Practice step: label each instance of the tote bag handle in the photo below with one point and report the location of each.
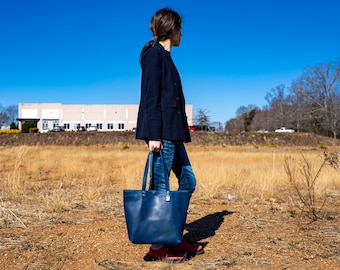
(149, 160)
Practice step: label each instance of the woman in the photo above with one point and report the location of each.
(162, 120)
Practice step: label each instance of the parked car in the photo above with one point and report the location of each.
(92, 128)
(283, 129)
(263, 131)
(81, 128)
(44, 130)
(58, 129)
(201, 128)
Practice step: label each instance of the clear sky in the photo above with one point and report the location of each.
(232, 51)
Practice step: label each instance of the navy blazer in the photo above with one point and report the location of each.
(161, 112)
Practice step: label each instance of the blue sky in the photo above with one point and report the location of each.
(232, 52)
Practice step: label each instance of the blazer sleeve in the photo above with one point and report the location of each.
(152, 91)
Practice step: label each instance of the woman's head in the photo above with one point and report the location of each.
(165, 24)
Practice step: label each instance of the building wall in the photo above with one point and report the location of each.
(105, 117)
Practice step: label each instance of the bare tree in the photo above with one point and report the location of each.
(247, 114)
(12, 112)
(321, 90)
(241, 111)
(3, 116)
(278, 105)
(216, 126)
(244, 118)
(235, 125)
(8, 115)
(202, 119)
(261, 120)
(302, 112)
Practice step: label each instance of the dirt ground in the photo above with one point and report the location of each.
(253, 234)
(236, 235)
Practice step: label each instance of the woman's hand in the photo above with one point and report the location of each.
(155, 146)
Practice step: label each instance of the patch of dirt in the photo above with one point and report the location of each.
(236, 235)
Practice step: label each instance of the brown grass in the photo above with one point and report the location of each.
(43, 186)
(55, 179)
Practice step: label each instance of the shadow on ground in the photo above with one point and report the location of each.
(205, 227)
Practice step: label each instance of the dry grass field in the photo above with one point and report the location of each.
(61, 207)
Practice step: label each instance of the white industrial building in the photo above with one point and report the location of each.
(104, 117)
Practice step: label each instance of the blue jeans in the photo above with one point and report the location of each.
(176, 159)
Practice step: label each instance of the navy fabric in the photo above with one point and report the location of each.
(161, 112)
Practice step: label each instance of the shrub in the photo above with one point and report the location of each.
(27, 125)
(303, 180)
(125, 146)
(10, 131)
(13, 126)
(33, 130)
(322, 146)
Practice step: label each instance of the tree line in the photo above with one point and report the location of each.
(310, 104)
(8, 116)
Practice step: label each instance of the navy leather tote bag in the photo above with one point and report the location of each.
(155, 216)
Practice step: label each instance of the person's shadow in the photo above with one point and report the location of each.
(205, 227)
(200, 229)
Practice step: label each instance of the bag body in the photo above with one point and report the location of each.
(155, 216)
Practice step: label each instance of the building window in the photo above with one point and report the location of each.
(99, 126)
(66, 126)
(76, 126)
(110, 126)
(44, 124)
(87, 125)
(121, 126)
(55, 123)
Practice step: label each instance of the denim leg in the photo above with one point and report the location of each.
(157, 174)
(176, 159)
(183, 170)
